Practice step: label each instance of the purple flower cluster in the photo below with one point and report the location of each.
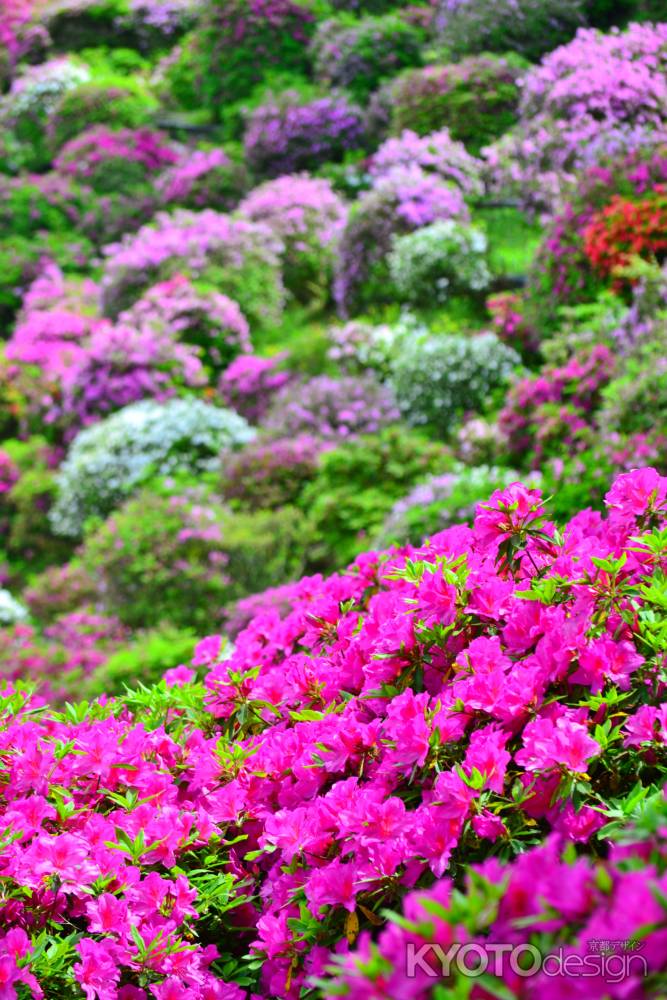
(596, 97)
(436, 154)
(331, 408)
(288, 134)
(192, 242)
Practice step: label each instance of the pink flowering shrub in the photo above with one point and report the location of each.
(241, 258)
(110, 160)
(598, 96)
(194, 314)
(556, 406)
(308, 218)
(471, 732)
(268, 474)
(202, 179)
(249, 384)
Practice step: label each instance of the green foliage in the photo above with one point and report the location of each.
(21, 258)
(26, 540)
(358, 54)
(636, 402)
(181, 558)
(118, 102)
(476, 99)
(356, 486)
(235, 46)
(145, 660)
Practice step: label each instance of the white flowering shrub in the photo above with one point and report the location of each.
(358, 346)
(438, 261)
(11, 611)
(446, 499)
(436, 379)
(38, 88)
(110, 460)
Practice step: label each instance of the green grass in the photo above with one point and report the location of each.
(513, 239)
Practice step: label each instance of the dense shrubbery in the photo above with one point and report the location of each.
(308, 287)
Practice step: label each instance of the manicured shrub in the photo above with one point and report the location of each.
(356, 485)
(530, 27)
(562, 270)
(438, 261)
(23, 258)
(250, 383)
(625, 229)
(32, 98)
(401, 201)
(239, 40)
(437, 379)
(436, 153)
(35, 204)
(555, 407)
(110, 460)
(196, 314)
(270, 474)
(121, 365)
(308, 218)
(203, 179)
(416, 714)
(287, 134)
(115, 105)
(597, 97)
(110, 160)
(240, 258)
(11, 610)
(331, 408)
(636, 400)
(180, 558)
(359, 54)
(477, 99)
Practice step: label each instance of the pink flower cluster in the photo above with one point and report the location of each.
(81, 156)
(369, 733)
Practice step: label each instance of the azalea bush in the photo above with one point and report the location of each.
(438, 726)
(358, 54)
(239, 40)
(182, 556)
(401, 201)
(110, 460)
(289, 133)
(308, 218)
(241, 258)
(331, 408)
(477, 99)
(110, 159)
(118, 104)
(197, 314)
(203, 179)
(437, 379)
(530, 27)
(438, 261)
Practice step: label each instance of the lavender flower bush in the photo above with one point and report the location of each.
(287, 134)
(331, 408)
